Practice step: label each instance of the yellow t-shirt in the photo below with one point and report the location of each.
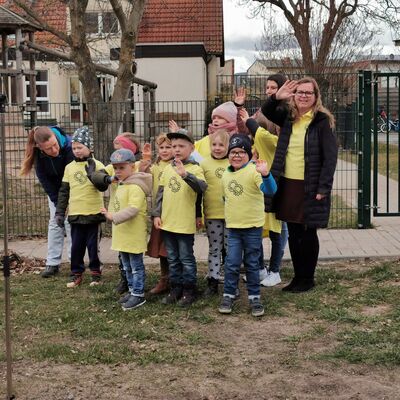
(213, 201)
(265, 144)
(130, 236)
(178, 212)
(244, 201)
(113, 187)
(156, 171)
(84, 198)
(294, 163)
(203, 146)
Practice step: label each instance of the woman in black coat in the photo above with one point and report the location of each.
(304, 166)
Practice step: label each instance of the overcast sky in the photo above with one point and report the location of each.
(243, 34)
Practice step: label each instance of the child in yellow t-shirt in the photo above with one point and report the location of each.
(213, 167)
(156, 247)
(84, 202)
(129, 218)
(175, 214)
(243, 185)
(106, 178)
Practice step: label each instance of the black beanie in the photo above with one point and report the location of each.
(240, 141)
(278, 78)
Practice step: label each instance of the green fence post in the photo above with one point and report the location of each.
(364, 149)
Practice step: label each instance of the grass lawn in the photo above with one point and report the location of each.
(341, 338)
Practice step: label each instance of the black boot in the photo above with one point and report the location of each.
(304, 285)
(122, 286)
(212, 287)
(189, 296)
(51, 270)
(292, 285)
(174, 295)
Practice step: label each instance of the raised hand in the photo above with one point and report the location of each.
(146, 151)
(240, 95)
(244, 115)
(173, 126)
(287, 90)
(262, 167)
(90, 167)
(179, 168)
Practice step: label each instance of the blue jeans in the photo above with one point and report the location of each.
(243, 245)
(135, 273)
(181, 260)
(55, 238)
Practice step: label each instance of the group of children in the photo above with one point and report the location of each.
(228, 188)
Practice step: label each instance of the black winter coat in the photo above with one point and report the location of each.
(320, 156)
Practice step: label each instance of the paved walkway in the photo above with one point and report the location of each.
(382, 241)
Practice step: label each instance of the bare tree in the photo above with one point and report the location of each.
(75, 45)
(316, 23)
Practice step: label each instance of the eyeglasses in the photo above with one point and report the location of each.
(303, 93)
(240, 154)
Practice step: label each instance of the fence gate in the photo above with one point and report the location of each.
(386, 150)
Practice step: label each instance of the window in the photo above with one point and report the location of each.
(98, 23)
(42, 91)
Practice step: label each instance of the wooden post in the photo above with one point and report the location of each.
(19, 79)
(32, 84)
(4, 52)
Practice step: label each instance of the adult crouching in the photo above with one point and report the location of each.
(49, 151)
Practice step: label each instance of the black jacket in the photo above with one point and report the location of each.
(320, 156)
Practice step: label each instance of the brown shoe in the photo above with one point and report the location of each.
(161, 287)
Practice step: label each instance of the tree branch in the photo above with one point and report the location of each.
(35, 16)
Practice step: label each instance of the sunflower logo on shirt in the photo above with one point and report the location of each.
(235, 187)
(219, 171)
(174, 184)
(80, 177)
(117, 204)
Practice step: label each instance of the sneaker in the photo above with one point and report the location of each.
(124, 299)
(133, 302)
(96, 280)
(75, 280)
(257, 309)
(188, 298)
(272, 279)
(226, 305)
(51, 270)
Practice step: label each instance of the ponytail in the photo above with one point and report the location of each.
(39, 134)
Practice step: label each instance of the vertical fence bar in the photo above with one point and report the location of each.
(6, 258)
(364, 182)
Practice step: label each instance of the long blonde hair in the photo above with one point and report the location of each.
(294, 112)
(38, 135)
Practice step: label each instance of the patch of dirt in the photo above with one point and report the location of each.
(244, 359)
(378, 310)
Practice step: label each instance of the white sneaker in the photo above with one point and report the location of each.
(263, 275)
(272, 279)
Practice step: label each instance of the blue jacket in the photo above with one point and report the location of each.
(50, 170)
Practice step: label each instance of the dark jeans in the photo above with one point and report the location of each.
(278, 244)
(85, 236)
(243, 245)
(181, 260)
(304, 250)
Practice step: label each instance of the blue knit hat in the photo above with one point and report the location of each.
(82, 135)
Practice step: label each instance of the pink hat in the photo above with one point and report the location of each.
(227, 111)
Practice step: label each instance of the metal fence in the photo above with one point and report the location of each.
(27, 208)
